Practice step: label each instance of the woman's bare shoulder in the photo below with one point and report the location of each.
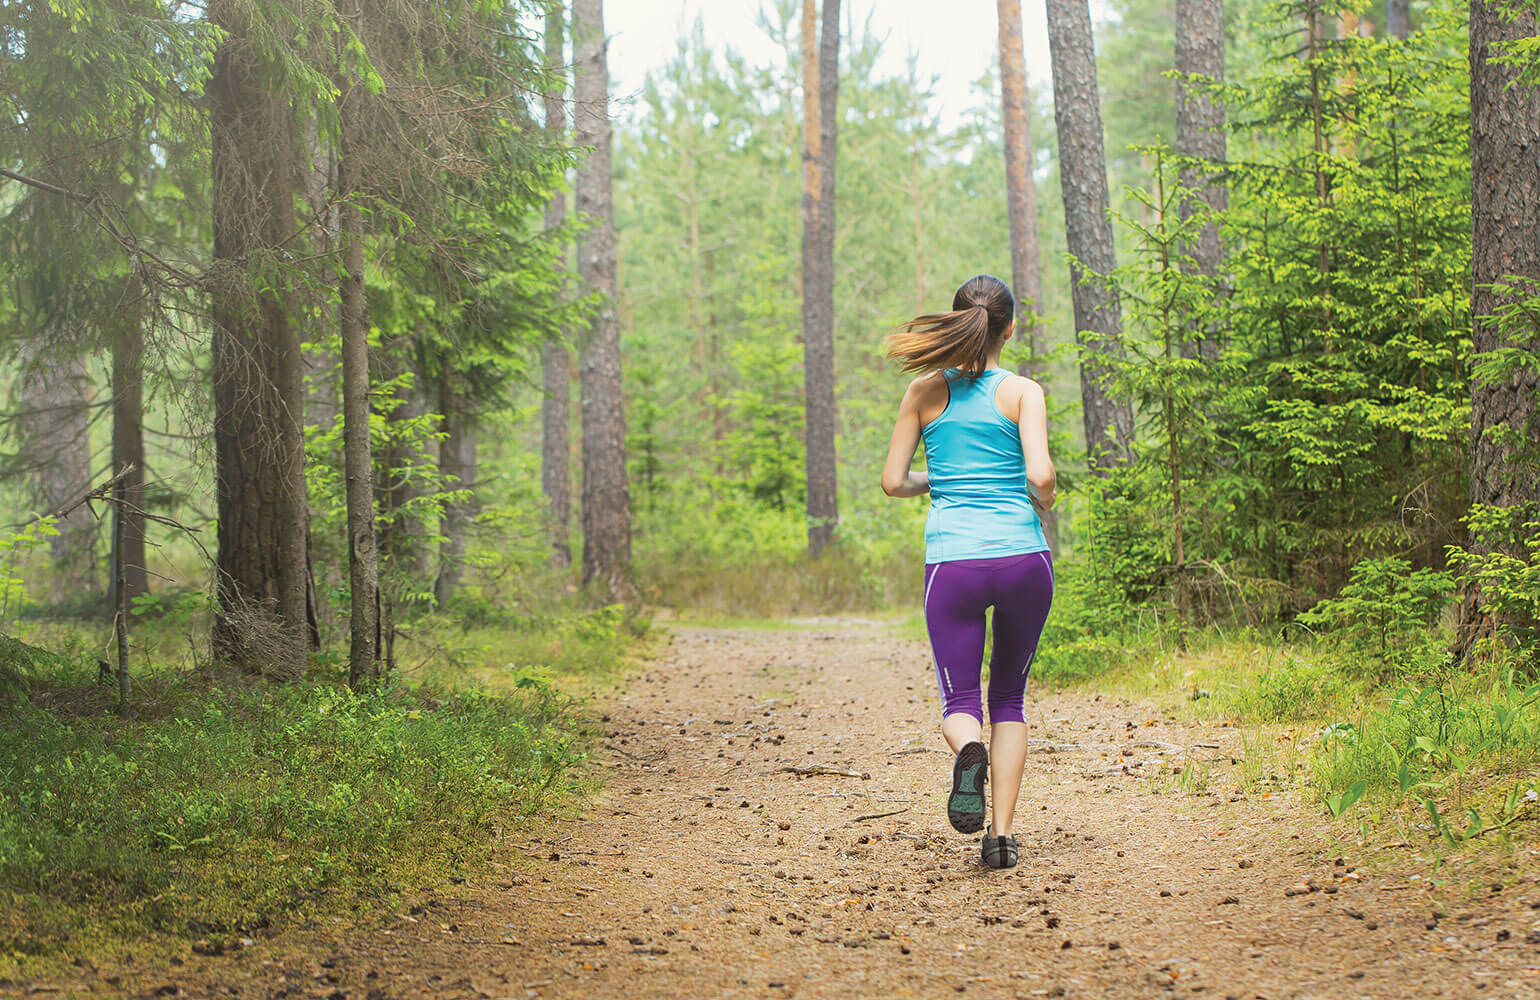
(1015, 390)
(928, 387)
(928, 395)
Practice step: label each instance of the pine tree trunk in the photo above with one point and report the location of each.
(1505, 208)
(1083, 181)
(358, 457)
(1398, 18)
(457, 464)
(556, 364)
(1200, 125)
(820, 137)
(128, 444)
(258, 387)
(53, 410)
(606, 495)
(321, 363)
(1020, 188)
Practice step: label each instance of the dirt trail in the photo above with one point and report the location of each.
(708, 867)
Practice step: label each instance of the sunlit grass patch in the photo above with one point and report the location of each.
(1456, 758)
(579, 652)
(231, 806)
(248, 807)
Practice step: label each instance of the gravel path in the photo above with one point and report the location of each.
(772, 825)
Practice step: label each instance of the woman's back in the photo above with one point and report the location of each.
(980, 505)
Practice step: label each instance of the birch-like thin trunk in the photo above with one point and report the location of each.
(120, 593)
(358, 459)
(128, 444)
(1020, 189)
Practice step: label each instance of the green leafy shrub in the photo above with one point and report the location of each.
(1503, 567)
(1387, 612)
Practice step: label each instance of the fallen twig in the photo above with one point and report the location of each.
(812, 769)
(1162, 744)
(862, 819)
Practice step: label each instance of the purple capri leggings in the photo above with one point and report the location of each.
(1020, 588)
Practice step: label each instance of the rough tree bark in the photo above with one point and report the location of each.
(128, 445)
(1398, 18)
(606, 494)
(556, 365)
(52, 402)
(1020, 189)
(257, 370)
(1505, 210)
(1200, 134)
(357, 456)
(1083, 181)
(820, 136)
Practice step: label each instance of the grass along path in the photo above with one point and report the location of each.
(772, 825)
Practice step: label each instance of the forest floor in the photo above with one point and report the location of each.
(716, 862)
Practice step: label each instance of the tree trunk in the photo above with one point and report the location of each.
(1398, 18)
(357, 456)
(53, 408)
(321, 362)
(1083, 181)
(258, 388)
(606, 496)
(457, 464)
(1505, 209)
(119, 590)
(1020, 188)
(1200, 135)
(556, 365)
(820, 136)
(128, 444)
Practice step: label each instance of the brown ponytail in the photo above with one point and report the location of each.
(964, 338)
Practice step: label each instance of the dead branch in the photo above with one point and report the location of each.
(815, 769)
(862, 819)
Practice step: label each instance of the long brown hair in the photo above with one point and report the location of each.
(964, 338)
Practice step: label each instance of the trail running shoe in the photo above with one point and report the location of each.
(965, 806)
(999, 852)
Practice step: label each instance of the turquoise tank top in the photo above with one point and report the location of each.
(979, 504)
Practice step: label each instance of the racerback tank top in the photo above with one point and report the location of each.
(979, 504)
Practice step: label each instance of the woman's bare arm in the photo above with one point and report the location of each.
(898, 480)
(1032, 416)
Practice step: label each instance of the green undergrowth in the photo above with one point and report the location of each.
(728, 556)
(231, 807)
(1389, 739)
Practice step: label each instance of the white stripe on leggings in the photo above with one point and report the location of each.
(945, 686)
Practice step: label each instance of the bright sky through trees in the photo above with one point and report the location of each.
(956, 49)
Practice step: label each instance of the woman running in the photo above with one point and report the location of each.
(986, 452)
